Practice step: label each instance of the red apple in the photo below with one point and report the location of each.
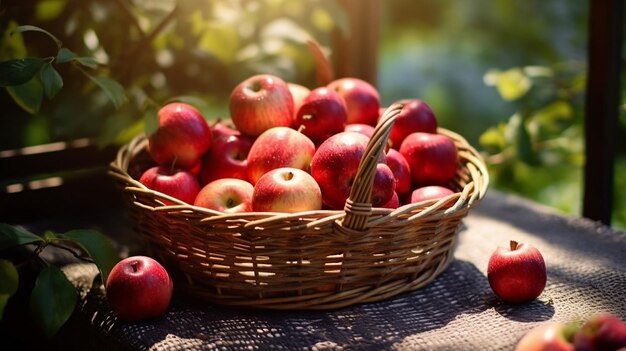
(550, 336)
(429, 192)
(138, 288)
(226, 159)
(323, 113)
(335, 164)
(299, 93)
(401, 171)
(261, 102)
(286, 190)
(279, 147)
(228, 195)
(176, 183)
(415, 116)
(601, 332)
(222, 129)
(182, 136)
(393, 203)
(364, 129)
(517, 275)
(433, 158)
(362, 99)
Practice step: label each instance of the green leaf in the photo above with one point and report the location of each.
(51, 80)
(113, 89)
(512, 84)
(28, 95)
(29, 28)
(97, 246)
(9, 280)
(87, 62)
(65, 55)
(47, 10)
(11, 236)
(19, 71)
(53, 300)
(11, 46)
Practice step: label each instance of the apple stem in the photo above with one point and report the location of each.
(172, 166)
(289, 176)
(301, 128)
(513, 245)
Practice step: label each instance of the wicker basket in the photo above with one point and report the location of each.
(309, 260)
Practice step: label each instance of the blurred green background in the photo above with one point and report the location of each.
(508, 75)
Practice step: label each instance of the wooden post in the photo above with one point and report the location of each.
(356, 53)
(602, 106)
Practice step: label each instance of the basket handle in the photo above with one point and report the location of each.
(358, 206)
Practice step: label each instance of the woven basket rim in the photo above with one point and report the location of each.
(118, 170)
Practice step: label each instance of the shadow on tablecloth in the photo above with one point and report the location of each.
(461, 291)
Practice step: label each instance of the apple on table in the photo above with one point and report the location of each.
(601, 331)
(517, 274)
(138, 287)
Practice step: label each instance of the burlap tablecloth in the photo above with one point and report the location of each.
(586, 265)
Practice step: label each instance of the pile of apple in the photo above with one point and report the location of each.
(287, 148)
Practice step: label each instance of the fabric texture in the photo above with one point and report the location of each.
(586, 265)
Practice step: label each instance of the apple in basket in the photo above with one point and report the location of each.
(298, 93)
(222, 129)
(177, 183)
(429, 192)
(182, 136)
(415, 116)
(279, 147)
(433, 158)
(138, 287)
(517, 274)
(261, 102)
(394, 202)
(226, 159)
(323, 113)
(286, 190)
(228, 195)
(335, 164)
(401, 171)
(362, 128)
(362, 99)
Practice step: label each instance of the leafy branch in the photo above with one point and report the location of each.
(53, 297)
(28, 79)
